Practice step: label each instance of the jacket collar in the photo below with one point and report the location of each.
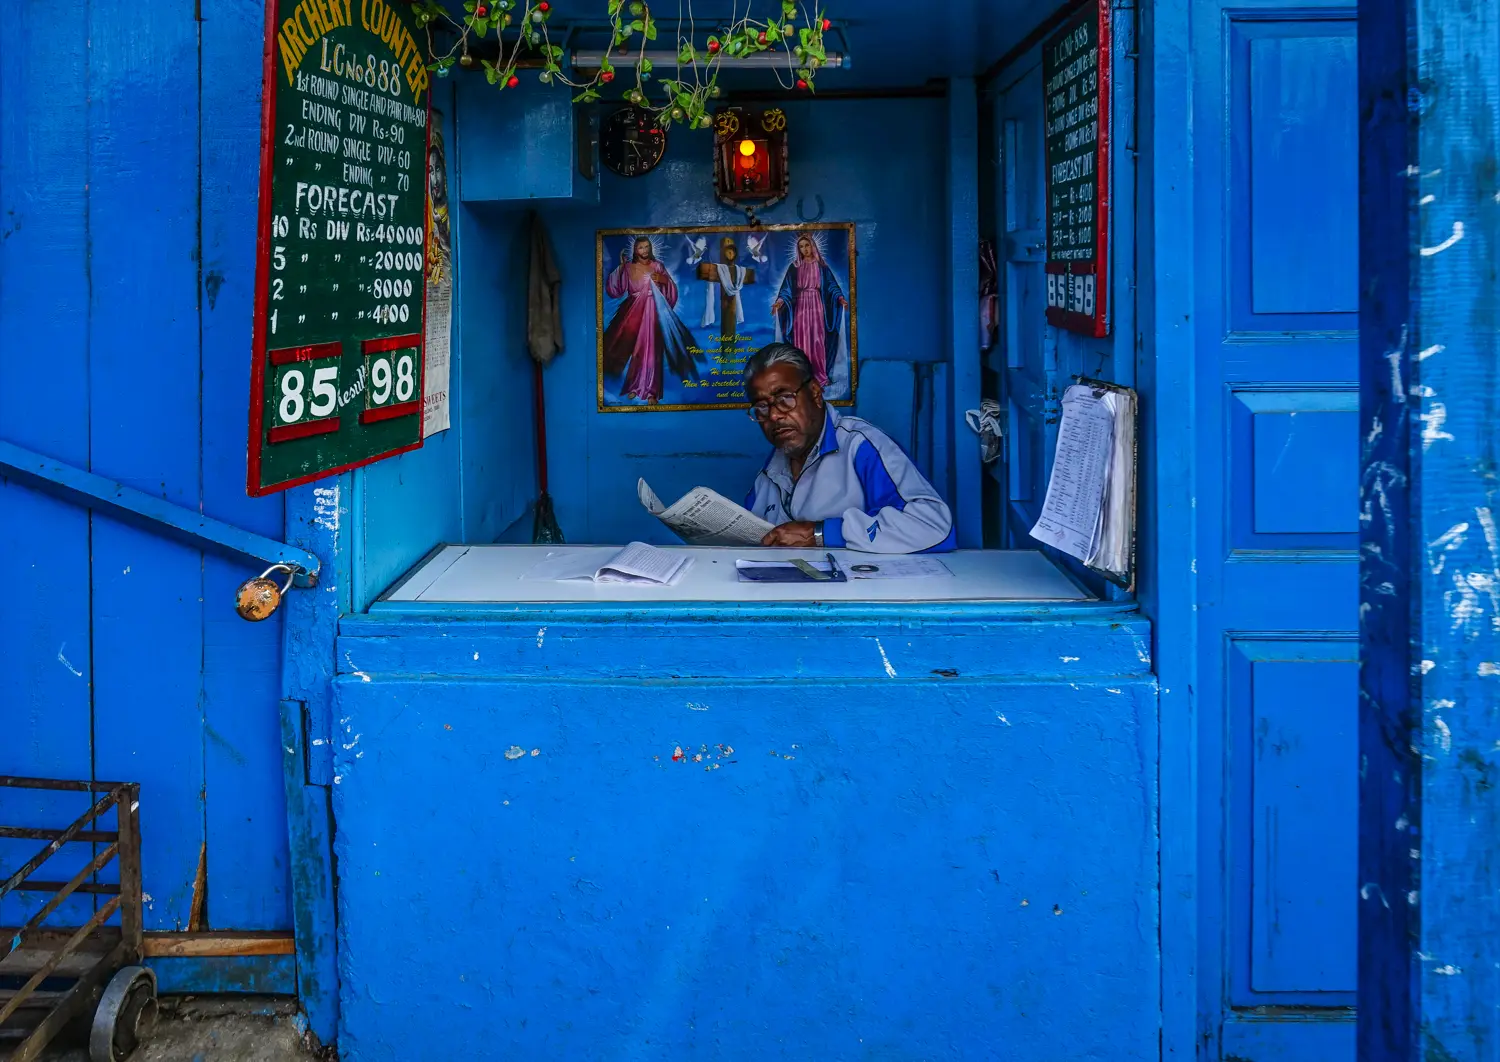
(830, 431)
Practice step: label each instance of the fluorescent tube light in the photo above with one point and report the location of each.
(664, 60)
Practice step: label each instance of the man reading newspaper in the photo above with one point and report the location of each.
(833, 481)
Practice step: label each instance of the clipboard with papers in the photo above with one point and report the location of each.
(1090, 508)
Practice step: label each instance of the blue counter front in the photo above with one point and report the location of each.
(795, 830)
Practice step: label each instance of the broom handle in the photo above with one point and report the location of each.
(541, 428)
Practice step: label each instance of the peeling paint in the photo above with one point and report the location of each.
(326, 507)
(1445, 736)
(889, 670)
(1454, 237)
(1433, 419)
(541, 635)
(515, 752)
(64, 660)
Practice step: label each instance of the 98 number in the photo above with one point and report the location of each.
(393, 378)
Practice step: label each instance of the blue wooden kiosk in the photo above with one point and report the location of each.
(1228, 810)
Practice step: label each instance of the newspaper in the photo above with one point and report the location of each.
(702, 517)
(436, 363)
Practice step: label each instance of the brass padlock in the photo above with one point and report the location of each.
(257, 598)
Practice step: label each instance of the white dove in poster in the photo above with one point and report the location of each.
(754, 243)
(695, 248)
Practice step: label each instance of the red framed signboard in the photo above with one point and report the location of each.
(1076, 79)
(337, 347)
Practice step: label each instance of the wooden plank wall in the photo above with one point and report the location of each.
(128, 166)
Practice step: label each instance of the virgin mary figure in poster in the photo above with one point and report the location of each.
(810, 310)
(646, 339)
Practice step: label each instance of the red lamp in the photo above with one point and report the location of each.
(750, 156)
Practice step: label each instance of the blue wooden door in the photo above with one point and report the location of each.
(1276, 199)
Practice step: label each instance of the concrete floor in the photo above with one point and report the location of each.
(244, 1029)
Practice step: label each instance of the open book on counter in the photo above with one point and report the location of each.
(702, 517)
(637, 563)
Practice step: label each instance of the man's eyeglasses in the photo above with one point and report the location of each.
(786, 402)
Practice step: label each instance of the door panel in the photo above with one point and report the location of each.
(1276, 207)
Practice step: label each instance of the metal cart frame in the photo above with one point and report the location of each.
(127, 1004)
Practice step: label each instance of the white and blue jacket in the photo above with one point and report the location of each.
(862, 487)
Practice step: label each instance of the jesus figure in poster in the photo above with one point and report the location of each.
(809, 309)
(646, 338)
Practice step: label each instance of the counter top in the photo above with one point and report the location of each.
(494, 573)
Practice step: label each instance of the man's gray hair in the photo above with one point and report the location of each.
(773, 354)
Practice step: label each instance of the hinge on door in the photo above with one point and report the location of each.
(317, 743)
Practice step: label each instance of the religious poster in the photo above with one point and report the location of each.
(439, 317)
(681, 310)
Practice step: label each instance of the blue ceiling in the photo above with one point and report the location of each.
(892, 43)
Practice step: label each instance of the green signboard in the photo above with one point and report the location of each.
(336, 380)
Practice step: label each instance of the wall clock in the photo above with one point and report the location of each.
(632, 141)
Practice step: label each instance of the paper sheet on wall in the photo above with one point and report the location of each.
(436, 361)
(702, 517)
(438, 328)
(1072, 515)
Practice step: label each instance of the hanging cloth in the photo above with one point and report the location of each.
(732, 280)
(543, 298)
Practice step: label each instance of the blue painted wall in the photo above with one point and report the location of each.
(471, 482)
(127, 203)
(854, 857)
(879, 163)
(1429, 830)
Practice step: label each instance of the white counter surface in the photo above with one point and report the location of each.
(473, 574)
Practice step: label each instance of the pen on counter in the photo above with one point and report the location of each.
(838, 573)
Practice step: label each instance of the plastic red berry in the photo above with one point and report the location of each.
(544, 6)
(479, 11)
(827, 25)
(713, 46)
(801, 84)
(761, 37)
(512, 82)
(607, 76)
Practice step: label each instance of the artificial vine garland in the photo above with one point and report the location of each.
(680, 100)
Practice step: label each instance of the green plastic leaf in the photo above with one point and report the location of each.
(645, 65)
(637, 24)
(588, 95)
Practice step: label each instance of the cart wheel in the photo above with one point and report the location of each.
(126, 1015)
